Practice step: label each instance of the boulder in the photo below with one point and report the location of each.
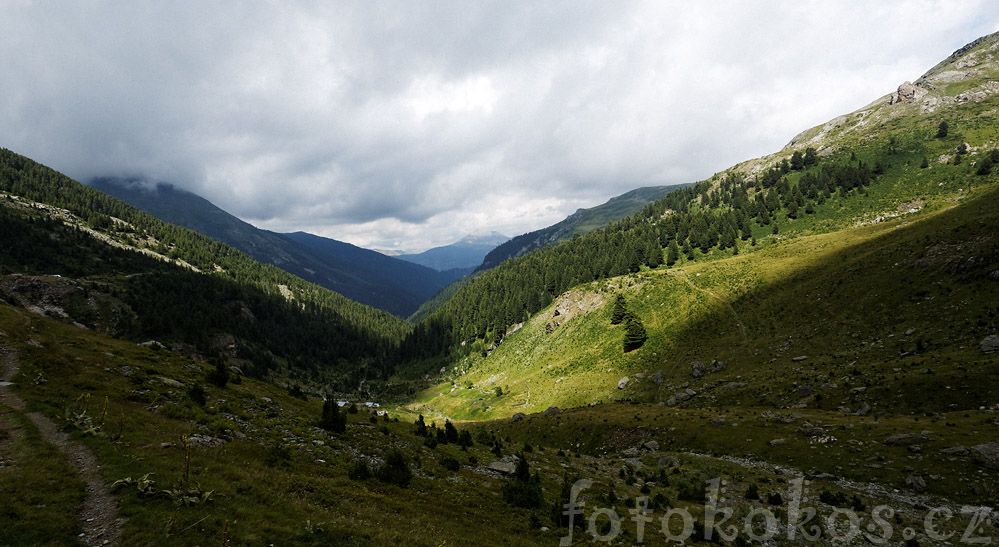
(915, 483)
(986, 455)
(906, 439)
(631, 452)
(804, 391)
(506, 466)
(697, 369)
(657, 378)
(198, 440)
(864, 409)
(717, 366)
(955, 451)
(517, 417)
(552, 411)
(623, 382)
(990, 344)
(777, 442)
(651, 446)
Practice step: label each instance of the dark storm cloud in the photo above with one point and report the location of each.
(412, 123)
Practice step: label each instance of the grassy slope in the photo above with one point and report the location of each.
(852, 301)
(304, 496)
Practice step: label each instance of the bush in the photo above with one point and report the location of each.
(753, 492)
(277, 455)
(524, 490)
(197, 394)
(691, 489)
(395, 470)
(449, 463)
(774, 498)
(219, 376)
(359, 471)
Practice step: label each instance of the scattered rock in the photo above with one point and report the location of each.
(828, 477)
(631, 452)
(718, 421)
(906, 439)
(777, 442)
(657, 378)
(168, 382)
(552, 411)
(809, 430)
(634, 462)
(697, 369)
(198, 440)
(551, 326)
(517, 417)
(717, 366)
(915, 483)
(799, 358)
(955, 451)
(735, 385)
(623, 382)
(990, 344)
(864, 409)
(804, 391)
(986, 455)
(652, 446)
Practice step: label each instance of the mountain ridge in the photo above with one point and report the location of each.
(582, 221)
(368, 277)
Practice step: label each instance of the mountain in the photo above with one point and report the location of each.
(464, 254)
(581, 222)
(86, 258)
(859, 240)
(368, 277)
(812, 332)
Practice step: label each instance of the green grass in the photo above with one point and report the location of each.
(40, 490)
(858, 302)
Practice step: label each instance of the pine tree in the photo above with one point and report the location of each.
(673, 254)
(619, 311)
(942, 130)
(634, 332)
(332, 419)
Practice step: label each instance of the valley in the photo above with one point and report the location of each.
(802, 348)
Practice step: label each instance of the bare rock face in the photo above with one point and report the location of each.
(907, 93)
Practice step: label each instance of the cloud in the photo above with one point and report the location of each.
(411, 124)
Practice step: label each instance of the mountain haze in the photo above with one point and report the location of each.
(581, 222)
(368, 277)
(464, 254)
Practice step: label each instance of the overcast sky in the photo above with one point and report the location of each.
(409, 124)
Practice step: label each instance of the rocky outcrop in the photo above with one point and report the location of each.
(907, 93)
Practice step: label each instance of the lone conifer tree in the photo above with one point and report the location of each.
(634, 332)
(619, 311)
